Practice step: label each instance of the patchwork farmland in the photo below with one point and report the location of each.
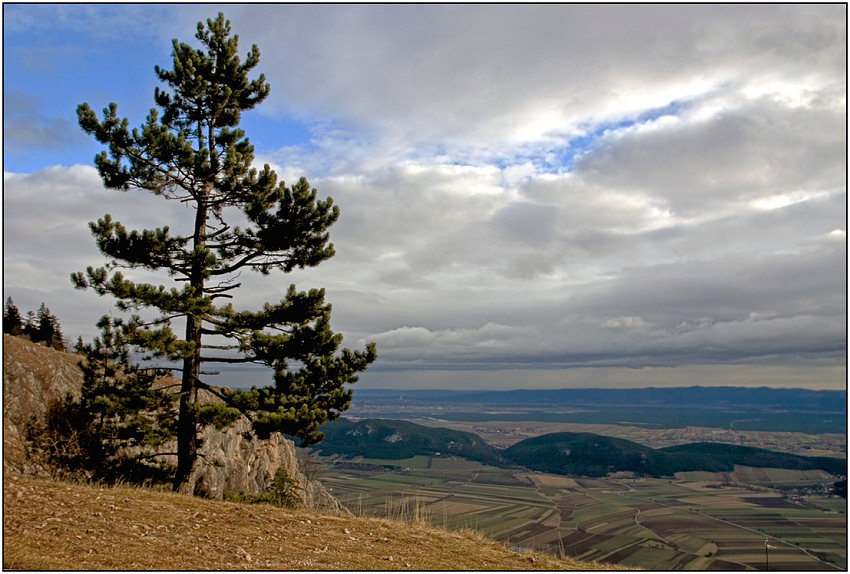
(699, 521)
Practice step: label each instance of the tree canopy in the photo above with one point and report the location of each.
(191, 150)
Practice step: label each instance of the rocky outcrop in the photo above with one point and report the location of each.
(33, 376)
(232, 460)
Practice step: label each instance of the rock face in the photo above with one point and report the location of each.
(33, 375)
(233, 461)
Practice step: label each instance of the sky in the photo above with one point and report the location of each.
(531, 196)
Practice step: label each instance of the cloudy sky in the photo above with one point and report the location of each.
(531, 196)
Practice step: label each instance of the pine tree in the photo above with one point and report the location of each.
(47, 330)
(192, 151)
(12, 322)
(30, 327)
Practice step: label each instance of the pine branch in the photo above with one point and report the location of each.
(227, 400)
(222, 287)
(232, 360)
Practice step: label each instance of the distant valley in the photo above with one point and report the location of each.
(691, 478)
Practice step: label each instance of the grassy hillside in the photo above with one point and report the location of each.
(59, 526)
(394, 439)
(594, 455)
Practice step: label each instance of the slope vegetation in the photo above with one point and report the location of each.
(56, 526)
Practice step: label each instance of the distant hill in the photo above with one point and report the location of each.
(587, 454)
(731, 455)
(395, 439)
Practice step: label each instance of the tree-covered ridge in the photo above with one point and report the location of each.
(191, 150)
(730, 455)
(396, 439)
(587, 454)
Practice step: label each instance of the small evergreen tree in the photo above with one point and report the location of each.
(12, 322)
(114, 430)
(47, 330)
(30, 326)
(191, 150)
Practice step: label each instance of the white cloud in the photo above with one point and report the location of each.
(535, 186)
(476, 75)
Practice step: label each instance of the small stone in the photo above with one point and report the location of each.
(243, 554)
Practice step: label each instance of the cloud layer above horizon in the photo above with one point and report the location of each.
(524, 189)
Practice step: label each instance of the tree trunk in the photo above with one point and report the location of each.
(186, 428)
(187, 452)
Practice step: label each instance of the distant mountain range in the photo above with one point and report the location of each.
(761, 397)
(581, 454)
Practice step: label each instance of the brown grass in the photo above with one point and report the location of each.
(51, 525)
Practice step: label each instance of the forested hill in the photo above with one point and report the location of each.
(587, 454)
(394, 439)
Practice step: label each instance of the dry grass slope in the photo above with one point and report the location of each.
(51, 525)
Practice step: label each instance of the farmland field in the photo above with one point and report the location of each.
(697, 521)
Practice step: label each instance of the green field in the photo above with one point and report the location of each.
(701, 521)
